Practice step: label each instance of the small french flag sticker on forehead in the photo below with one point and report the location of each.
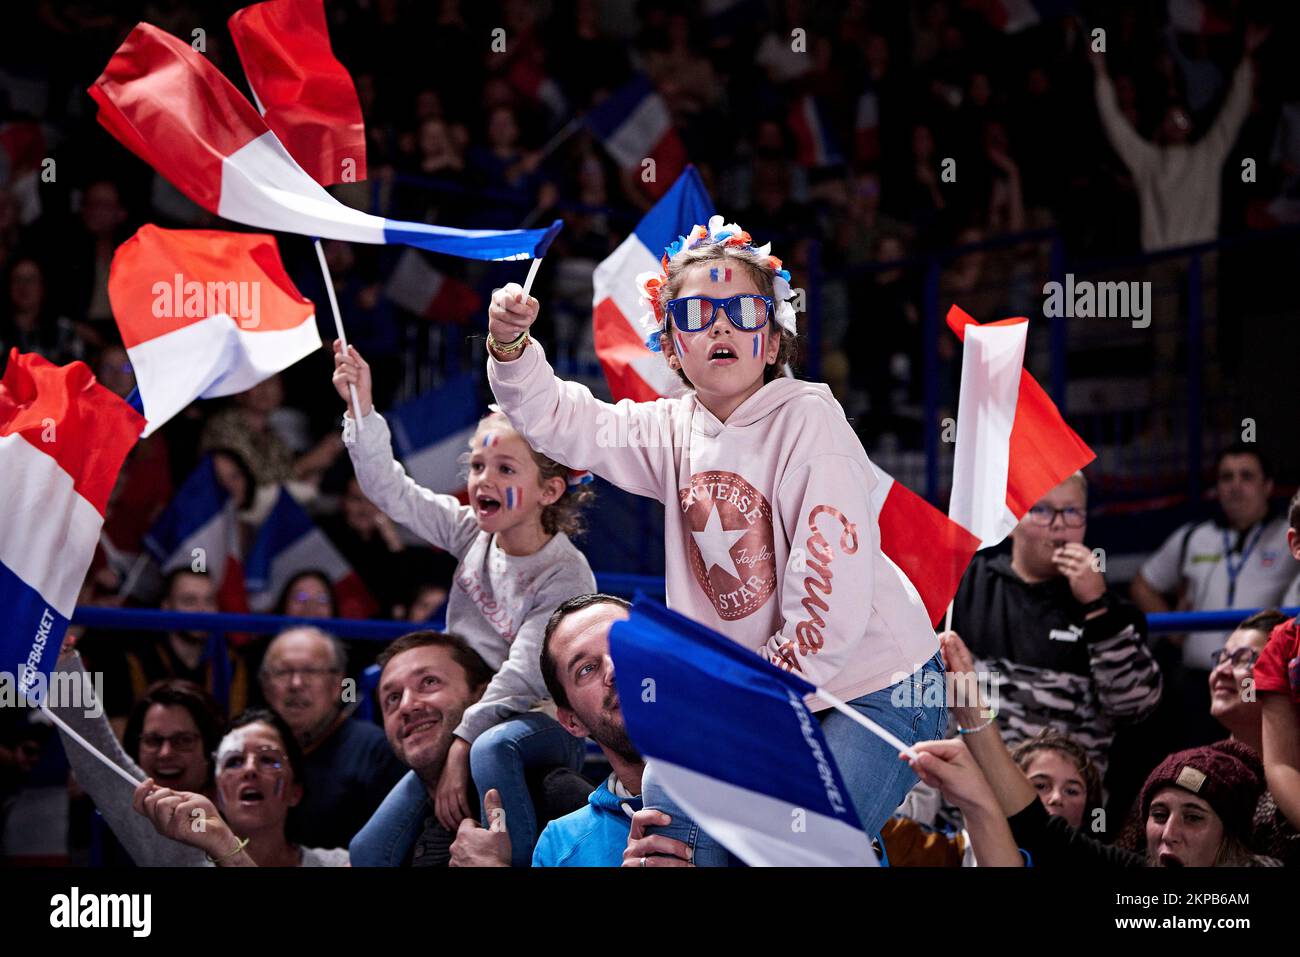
(490, 440)
(720, 274)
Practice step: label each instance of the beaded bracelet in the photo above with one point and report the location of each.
(961, 730)
(218, 860)
(507, 348)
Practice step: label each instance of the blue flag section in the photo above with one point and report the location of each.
(733, 742)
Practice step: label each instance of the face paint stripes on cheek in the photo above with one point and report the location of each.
(514, 497)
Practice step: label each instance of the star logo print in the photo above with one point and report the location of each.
(715, 543)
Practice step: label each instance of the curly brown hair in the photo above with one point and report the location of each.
(746, 259)
(564, 515)
(1049, 739)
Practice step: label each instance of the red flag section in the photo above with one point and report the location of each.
(1044, 449)
(305, 94)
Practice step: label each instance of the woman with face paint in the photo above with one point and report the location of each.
(258, 769)
(516, 564)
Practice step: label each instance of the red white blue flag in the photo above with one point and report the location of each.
(205, 313)
(63, 438)
(171, 107)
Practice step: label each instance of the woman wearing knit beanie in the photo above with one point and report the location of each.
(1196, 805)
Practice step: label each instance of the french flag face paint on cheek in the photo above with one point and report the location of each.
(279, 787)
(682, 347)
(756, 338)
(514, 498)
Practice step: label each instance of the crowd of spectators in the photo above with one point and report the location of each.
(1044, 132)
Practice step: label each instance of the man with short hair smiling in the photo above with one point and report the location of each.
(1239, 559)
(426, 682)
(611, 830)
(349, 768)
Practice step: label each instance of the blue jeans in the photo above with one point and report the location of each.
(387, 838)
(705, 851)
(874, 776)
(498, 760)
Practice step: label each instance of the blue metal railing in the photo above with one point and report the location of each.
(218, 625)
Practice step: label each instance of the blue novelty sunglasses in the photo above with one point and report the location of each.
(748, 313)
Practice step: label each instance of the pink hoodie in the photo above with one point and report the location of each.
(769, 534)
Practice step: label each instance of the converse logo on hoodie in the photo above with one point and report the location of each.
(730, 545)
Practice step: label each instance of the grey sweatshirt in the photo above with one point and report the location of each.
(113, 796)
(499, 603)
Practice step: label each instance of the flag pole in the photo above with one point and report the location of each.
(107, 761)
(867, 723)
(532, 274)
(947, 621)
(133, 575)
(338, 325)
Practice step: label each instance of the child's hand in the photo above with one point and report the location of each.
(451, 805)
(351, 369)
(509, 314)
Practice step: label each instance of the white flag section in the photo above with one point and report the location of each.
(733, 742)
(992, 362)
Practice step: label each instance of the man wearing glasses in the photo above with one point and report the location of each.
(1064, 651)
(349, 767)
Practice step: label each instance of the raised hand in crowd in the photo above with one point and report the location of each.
(510, 315)
(948, 766)
(351, 369)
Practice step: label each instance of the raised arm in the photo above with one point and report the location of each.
(631, 444)
(1013, 789)
(440, 519)
(112, 795)
(1132, 148)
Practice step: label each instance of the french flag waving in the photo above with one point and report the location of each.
(620, 321)
(303, 92)
(1013, 445)
(288, 544)
(63, 439)
(199, 529)
(205, 313)
(635, 125)
(931, 549)
(733, 742)
(171, 107)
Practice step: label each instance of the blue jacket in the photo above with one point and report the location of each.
(593, 836)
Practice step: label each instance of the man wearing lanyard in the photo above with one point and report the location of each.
(1240, 560)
